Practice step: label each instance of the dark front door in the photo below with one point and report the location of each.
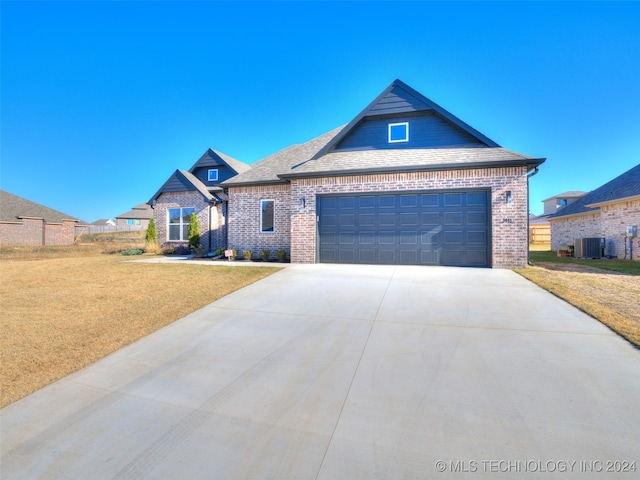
(415, 228)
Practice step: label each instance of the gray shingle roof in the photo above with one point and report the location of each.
(569, 194)
(268, 169)
(13, 208)
(142, 212)
(407, 160)
(623, 186)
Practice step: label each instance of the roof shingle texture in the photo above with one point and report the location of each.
(623, 186)
(13, 207)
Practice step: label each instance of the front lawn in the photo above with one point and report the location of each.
(67, 308)
(608, 290)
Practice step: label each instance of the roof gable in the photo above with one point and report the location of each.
(623, 186)
(182, 181)
(399, 99)
(212, 158)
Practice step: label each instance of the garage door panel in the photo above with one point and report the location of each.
(424, 228)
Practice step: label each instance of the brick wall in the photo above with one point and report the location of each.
(244, 218)
(615, 218)
(35, 232)
(212, 233)
(610, 222)
(509, 221)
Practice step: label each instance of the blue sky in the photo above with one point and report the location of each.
(102, 101)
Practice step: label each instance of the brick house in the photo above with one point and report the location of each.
(405, 182)
(603, 213)
(197, 190)
(137, 217)
(26, 223)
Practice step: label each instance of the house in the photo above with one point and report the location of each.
(553, 204)
(405, 182)
(138, 216)
(539, 226)
(606, 212)
(197, 190)
(23, 222)
(104, 222)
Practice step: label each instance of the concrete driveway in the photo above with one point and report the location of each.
(347, 372)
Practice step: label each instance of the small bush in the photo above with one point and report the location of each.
(265, 254)
(151, 235)
(219, 251)
(194, 232)
(132, 251)
(247, 254)
(152, 248)
(282, 255)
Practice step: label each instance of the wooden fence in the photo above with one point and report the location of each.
(539, 233)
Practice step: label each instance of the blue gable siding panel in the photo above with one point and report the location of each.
(426, 130)
(177, 184)
(224, 173)
(398, 101)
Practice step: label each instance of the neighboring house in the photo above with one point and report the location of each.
(405, 182)
(553, 204)
(104, 222)
(137, 216)
(539, 226)
(603, 213)
(197, 190)
(23, 222)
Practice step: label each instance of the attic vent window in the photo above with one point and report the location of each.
(398, 132)
(213, 175)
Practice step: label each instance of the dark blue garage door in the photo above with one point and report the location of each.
(417, 228)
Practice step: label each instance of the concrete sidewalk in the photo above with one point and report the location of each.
(345, 372)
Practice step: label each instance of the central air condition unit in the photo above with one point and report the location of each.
(589, 248)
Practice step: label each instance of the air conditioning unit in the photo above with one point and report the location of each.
(588, 248)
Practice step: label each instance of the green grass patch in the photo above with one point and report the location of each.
(615, 265)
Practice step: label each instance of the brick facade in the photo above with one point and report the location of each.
(296, 226)
(36, 232)
(210, 219)
(610, 222)
(244, 218)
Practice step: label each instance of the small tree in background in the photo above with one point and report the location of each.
(151, 238)
(152, 235)
(194, 232)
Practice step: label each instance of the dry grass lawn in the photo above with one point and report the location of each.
(612, 297)
(61, 314)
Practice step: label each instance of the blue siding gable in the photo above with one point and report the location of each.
(435, 127)
(426, 130)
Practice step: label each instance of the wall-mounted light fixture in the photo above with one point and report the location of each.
(303, 202)
(509, 197)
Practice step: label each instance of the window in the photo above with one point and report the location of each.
(398, 132)
(562, 202)
(267, 216)
(213, 175)
(129, 221)
(179, 223)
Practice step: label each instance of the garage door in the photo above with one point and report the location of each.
(417, 228)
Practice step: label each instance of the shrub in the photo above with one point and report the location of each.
(219, 251)
(247, 254)
(152, 235)
(194, 232)
(132, 251)
(282, 255)
(152, 248)
(265, 254)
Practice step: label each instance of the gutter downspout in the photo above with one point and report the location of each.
(535, 172)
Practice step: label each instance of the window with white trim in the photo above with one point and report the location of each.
(212, 175)
(178, 219)
(267, 216)
(398, 132)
